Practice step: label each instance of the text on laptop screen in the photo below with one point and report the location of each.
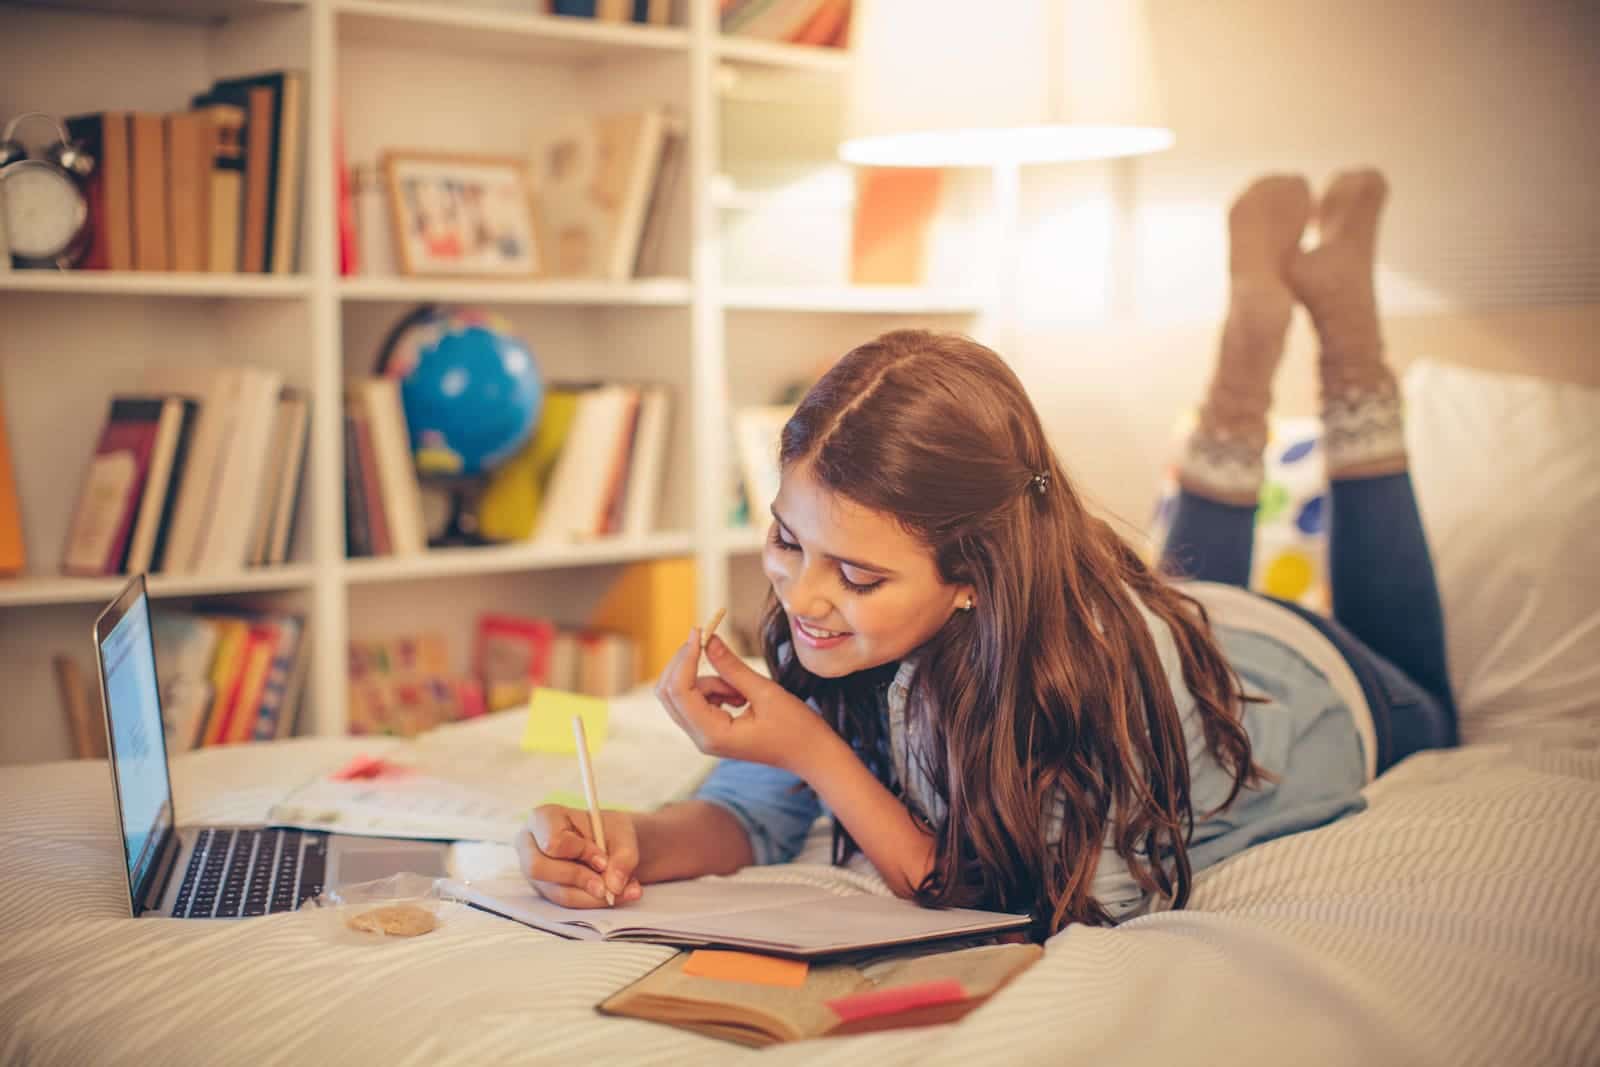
(139, 752)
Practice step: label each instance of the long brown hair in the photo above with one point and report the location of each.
(1052, 682)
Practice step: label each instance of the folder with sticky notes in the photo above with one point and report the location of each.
(550, 715)
(762, 1000)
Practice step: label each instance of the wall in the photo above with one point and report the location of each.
(1481, 115)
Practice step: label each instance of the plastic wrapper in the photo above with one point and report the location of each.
(391, 910)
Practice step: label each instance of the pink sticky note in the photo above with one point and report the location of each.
(894, 1001)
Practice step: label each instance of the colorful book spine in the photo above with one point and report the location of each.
(275, 691)
(260, 649)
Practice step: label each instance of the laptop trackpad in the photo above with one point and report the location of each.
(364, 859)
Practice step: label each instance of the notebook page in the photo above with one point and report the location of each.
(824, 926)
(663, 908)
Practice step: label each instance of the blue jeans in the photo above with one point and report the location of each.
(1387, 621)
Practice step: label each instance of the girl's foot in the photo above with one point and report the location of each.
(1223, 458)
(1335, 281)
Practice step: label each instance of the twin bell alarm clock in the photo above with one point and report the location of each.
(44, 209)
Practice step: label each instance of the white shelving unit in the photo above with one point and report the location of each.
(410, 75)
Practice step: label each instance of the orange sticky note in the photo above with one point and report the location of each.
(746, 967)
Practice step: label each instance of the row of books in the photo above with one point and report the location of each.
(199, 472)
(214, 188)
(383, 513)
(815, 22)
(594, 468)
(515, 655)
(228, 677)
(653, 12)
(404, 685)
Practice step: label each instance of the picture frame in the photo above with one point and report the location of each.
(461, 216)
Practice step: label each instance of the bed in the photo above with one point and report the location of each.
(1455, 921)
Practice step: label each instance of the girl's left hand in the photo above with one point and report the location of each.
(777, 728)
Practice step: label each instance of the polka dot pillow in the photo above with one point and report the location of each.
(1290, 555)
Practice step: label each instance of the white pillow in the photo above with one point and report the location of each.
(1507, 475)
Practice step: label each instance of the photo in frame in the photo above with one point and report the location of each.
(460, 215)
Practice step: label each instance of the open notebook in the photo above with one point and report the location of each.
(800, 917)
(823, 1000)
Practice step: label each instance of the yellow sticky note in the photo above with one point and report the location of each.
(571, 798)
(549, 728)
(745, 967)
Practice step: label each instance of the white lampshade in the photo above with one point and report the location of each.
(950, 83)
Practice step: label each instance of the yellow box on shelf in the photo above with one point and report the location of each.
(549, 727)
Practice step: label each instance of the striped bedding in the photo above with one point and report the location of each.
(1457, 921)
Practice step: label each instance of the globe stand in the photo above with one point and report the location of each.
(450, 505)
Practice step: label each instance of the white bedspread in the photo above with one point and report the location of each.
(1455, 922)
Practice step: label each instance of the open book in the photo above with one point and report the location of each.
(829, 1000)
(797, 916)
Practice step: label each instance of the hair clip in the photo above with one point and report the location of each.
(1040, 482)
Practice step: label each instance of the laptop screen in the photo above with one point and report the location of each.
(138, 745)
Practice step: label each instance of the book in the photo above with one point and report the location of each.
(829, 25)
(379, 542)
(148, 141)
(759, 1001)
(791, 918)
(592, 183)
(259, 650)
(280, 697)
(647, 463)
(13, 550)
(889, 231)
(226, 667)
(592, 462)
(189, 159)
(757, 435)
(259, 103)
(226, 541)
(512, 658)
(201, 492)
(357, 531)
(185, 646)
(650, 260)
(296, 411)
(161, 483)
(102, 522)
(226, 194)
(271, 474)
(397, 473)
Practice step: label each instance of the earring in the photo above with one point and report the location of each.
(968, 605)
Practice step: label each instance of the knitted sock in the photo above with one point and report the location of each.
(1361, 417)
(1222, 460)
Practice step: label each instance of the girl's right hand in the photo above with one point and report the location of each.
(559, 857)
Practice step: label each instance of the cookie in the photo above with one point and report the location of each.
(394, 920)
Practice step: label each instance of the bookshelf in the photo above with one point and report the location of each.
(402, 75)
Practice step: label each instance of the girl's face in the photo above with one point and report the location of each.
(859, 591)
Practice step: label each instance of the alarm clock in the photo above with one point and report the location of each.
(43, 199)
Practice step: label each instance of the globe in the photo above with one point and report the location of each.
(470, 389)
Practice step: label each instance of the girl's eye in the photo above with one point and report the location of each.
(858, 587)
(779, 541)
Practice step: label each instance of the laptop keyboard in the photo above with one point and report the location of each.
(243, 872)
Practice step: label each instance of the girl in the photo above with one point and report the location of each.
(998, 702)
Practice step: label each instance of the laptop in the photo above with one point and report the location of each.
(210, 872)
